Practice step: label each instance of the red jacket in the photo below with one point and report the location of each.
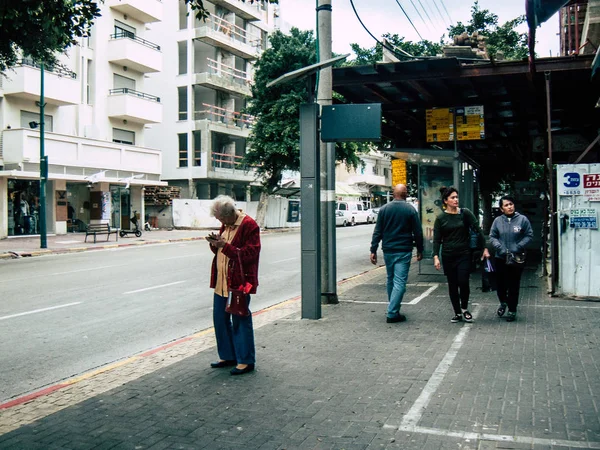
(247, 243)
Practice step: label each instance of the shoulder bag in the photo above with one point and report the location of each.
(515, 259)
(473, 234)
(237, 301)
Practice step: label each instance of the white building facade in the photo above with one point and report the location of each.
(208, 68)
(370, 183)
(96, 114)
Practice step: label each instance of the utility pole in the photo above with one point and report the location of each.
(43, 165)
(327, 160)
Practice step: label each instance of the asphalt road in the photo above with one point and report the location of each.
(62, 315)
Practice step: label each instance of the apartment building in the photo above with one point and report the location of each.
(208, 67)
(370, 183)
(97, 110)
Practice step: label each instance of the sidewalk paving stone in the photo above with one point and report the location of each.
(350, 381)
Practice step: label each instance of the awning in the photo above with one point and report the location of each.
(77, 178)
(343, 189)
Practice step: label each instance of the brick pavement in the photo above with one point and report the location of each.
(348, 381)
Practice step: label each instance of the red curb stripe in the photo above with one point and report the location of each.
(166, 346)
(33, 396)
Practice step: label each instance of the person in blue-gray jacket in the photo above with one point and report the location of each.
(509, 235)
(399, 228)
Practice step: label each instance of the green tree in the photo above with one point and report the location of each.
(41, 29)
(500, 38)
(365, 56)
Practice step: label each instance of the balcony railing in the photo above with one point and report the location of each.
(134, 93)
(233, 31)
(133, 37)
(222, 115)
(57, 69)
(227, 161)
(235, 75)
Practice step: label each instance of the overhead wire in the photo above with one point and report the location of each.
(435, 3)
(447, 13)
(426, 13)
(419, 13)
(411, 22)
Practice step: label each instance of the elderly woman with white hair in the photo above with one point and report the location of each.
(238, 241)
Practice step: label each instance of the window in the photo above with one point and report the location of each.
(123, 136)
(183, 15)
(182, 51)
(196, 135)
(89, 75)
(121, 82)
(28, 118)
(183, 150)
(359, 207)
(343, 207)
(124, 30)
(182, 95)
(375, 172)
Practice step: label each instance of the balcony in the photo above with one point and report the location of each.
(126, 49)
(23, 145)
(220, 33)
(224, 117)
(230, 167)
(60, 86)
(224, 78)
(127, 104)
(245, 10)
(145, 11)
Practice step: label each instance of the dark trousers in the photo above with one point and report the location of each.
(508, 281)
(457, 270)
(235, 335)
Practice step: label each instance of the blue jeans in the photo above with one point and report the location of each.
(235, 335)
(397, 265)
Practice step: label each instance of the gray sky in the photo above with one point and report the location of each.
(381, 16)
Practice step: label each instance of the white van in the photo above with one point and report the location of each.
(353, 213)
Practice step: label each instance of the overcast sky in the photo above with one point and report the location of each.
(385, 16)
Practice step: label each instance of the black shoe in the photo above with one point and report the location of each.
(467, 316)
(456, 318)
(501, 309)
(221, 364)
(398, 318)
(249, 368)
(511, 316)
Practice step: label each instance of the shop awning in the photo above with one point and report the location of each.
(28, 175)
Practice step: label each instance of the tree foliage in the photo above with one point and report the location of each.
(500, 38)
(275, 138)
(39, 29)
(373, 55)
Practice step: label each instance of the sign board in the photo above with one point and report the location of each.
(583, 218)
(470, 124)
(576, 181)
(398, 172)
(440, 125)
(351, 123)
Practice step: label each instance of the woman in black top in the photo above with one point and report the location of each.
(451, 232)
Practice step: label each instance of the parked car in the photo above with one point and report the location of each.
(353, 212)
(372, 217)
(340, 220)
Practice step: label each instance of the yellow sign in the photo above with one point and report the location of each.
(440, 125)
(398, 172)
(469, 123)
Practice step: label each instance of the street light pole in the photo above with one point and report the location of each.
(43, 166)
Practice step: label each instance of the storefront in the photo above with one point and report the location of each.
(23, 207)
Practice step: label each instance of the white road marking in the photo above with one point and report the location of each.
(283, 260)
(154, 287)
(423, 295)
(87, 269)
(412, 417)
(39, 310)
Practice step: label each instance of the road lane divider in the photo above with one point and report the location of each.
(160, 286)
(35, 311)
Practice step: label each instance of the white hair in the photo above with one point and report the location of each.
(224, 206)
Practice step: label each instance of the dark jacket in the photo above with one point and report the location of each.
(510, 234)
(246, 243)
(451, 233)
(398, 227)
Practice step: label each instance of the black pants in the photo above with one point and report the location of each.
(508, 281)
(457, 270)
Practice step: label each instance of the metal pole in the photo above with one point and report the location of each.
(43, 166)
(310, 181)
(551, 185)
(455, 161)
(327, 160)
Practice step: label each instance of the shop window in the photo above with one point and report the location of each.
(23, 207)
(183, 149)
(197, 148)
(123, 136)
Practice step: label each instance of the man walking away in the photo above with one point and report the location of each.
(399, 228)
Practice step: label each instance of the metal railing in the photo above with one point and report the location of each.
(227, 161)
(222, 115)
(222, 70)
(129, 35)
(235, 32)
(134, 93)
(57, 70)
